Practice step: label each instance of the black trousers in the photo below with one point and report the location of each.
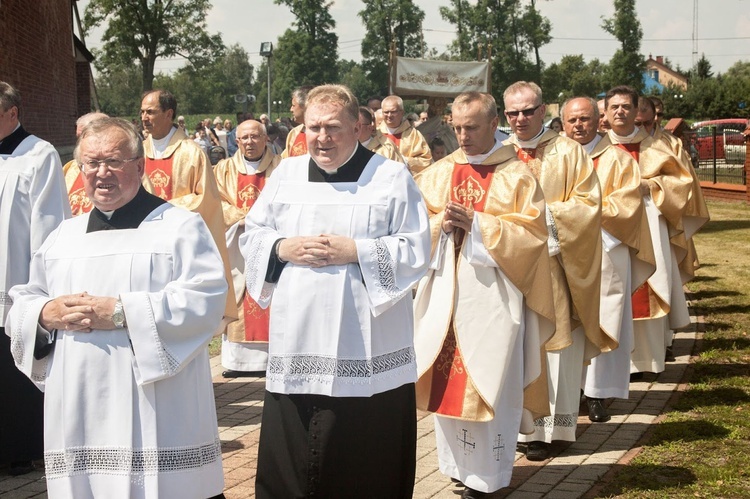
(338, 447)
(21, 411)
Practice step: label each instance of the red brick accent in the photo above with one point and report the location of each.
(37, 57)
(724, 192)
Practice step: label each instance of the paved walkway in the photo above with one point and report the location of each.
(575, 470)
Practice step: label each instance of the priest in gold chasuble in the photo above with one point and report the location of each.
(79, 201)
(627, 254)
(659, 305)
(573, 197)
(244, 346)
(411, 144)
(178, 171)
(484, 310)
(296, 140)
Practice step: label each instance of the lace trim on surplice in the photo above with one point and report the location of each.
(127, 461)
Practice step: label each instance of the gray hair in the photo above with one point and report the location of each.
(394, 98)
(107, 126)
(9, 97)
(525, 85)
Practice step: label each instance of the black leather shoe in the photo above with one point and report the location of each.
(18, 468)
(229, 373)
(470, 493)
(537, 451)
(597, 411)
(636, 376)
(669, 355)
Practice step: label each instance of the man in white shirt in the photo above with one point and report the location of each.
(33, 201)
(337, 239)
(113, 326)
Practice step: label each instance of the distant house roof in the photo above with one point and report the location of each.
(664, 74)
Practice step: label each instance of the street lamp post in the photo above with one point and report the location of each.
(277, 104)
(266, 50)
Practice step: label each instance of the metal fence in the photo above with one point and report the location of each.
(717, 156)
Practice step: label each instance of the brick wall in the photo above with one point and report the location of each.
(83, 87)
(36, 57)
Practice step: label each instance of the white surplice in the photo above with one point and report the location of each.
(608, 375)
(129, 413)
(340, 330)
(33, 201)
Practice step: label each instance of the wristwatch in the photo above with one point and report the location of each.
(118, 316)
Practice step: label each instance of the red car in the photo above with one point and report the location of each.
(728, 132)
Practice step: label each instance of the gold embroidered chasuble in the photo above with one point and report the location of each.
(669, 183)
(79, 201)
(623, 211)
(696, 211)
(459, 326)
(184, 177)
(411, 144)
(239, 190)
(572, 193)
(296, 143)
(379, 144)
(227, 173)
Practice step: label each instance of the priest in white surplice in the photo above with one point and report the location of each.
(113, 326)
(338, 238)
(32, 204)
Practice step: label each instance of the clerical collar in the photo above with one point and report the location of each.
(591, 145)
(531, 143)
(252, 166)
(623, 139)
(128, 216)
(366, 142)
(160, 145)
(350, 171)
(8, 144)
(391, 130)
(478, 159)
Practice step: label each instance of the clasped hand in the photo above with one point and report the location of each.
(318, 251)
(78, 312)
(457, 215)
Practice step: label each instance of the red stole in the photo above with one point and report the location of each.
(525, 155)
(641, 297)
(159, 172)
(255, 319)
(79, 201)
(248, 189)
(395, 138)
(469, 186)
(299, 146)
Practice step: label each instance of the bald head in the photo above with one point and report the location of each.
(86, 119)
(251, 139)
(580, 117)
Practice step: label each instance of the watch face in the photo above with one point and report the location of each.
(118, 318)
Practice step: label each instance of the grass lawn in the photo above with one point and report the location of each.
(702, 448)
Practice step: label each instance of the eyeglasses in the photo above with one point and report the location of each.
(92, 165)
(526, 112)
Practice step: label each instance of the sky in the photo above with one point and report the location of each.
(723, 29)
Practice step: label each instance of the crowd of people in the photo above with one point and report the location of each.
(366, 262)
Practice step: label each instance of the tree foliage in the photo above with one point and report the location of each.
(627, 64)
(141, 31)
(387, 22)
(572, 77)
(702, 69)
(307, 55)
(513, 30)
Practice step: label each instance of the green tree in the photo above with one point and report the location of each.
(120, 90)
(740, 69)
(702, 69)
(141, 31)
(513, 31)
(458, 16)
(627, 64)
(354, 76)
(572, 77)
(387, 22)
(307, 55)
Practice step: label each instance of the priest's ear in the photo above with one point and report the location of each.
(141, 167)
